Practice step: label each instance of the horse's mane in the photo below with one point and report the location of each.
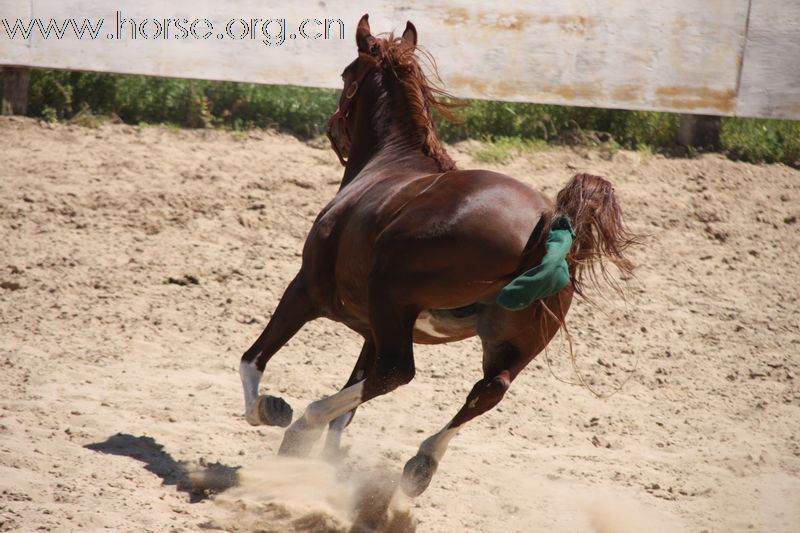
(400, 58)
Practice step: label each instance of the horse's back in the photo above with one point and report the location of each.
(465, 204)
(458, 238)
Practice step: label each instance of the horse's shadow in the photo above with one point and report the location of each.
(162, 464)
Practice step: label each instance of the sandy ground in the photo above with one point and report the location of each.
(138, 263)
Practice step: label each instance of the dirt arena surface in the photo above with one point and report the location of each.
(138, 264)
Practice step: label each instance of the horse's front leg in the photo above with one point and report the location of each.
(300, 437)
(293, 311)
(337, 425)
(393, 365)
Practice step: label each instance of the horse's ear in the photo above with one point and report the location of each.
(410, 34)
(363, 34)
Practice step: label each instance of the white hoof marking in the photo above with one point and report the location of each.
(250, 380)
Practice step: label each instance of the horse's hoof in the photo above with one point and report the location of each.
(299, 439)
(417, 474)
(274, 411)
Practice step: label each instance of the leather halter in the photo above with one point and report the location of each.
(343, 110)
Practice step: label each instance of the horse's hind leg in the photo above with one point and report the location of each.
(336, 427)
(294, 310)
(419, 470)
(511, 339)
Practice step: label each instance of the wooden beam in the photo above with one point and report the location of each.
(700, 131)
(770, 78)
(14, 93)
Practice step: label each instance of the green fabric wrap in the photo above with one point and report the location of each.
(546, 278)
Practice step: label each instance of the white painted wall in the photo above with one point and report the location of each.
(724, 57)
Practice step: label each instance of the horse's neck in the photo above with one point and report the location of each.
(384, 137)
(397, 157)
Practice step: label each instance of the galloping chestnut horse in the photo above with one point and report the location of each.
(411, 249)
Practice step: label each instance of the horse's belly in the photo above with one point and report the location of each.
(440, 326)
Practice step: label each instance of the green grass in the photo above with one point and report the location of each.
(507, 128)
(502, 149)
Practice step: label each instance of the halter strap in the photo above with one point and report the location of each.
(343, 110)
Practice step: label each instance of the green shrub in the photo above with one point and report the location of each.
(189, 103)
(762, 140)
(305, 111)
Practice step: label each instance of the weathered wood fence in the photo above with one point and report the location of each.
(704, 57)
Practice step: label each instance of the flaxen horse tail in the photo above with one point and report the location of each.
(600, 233)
